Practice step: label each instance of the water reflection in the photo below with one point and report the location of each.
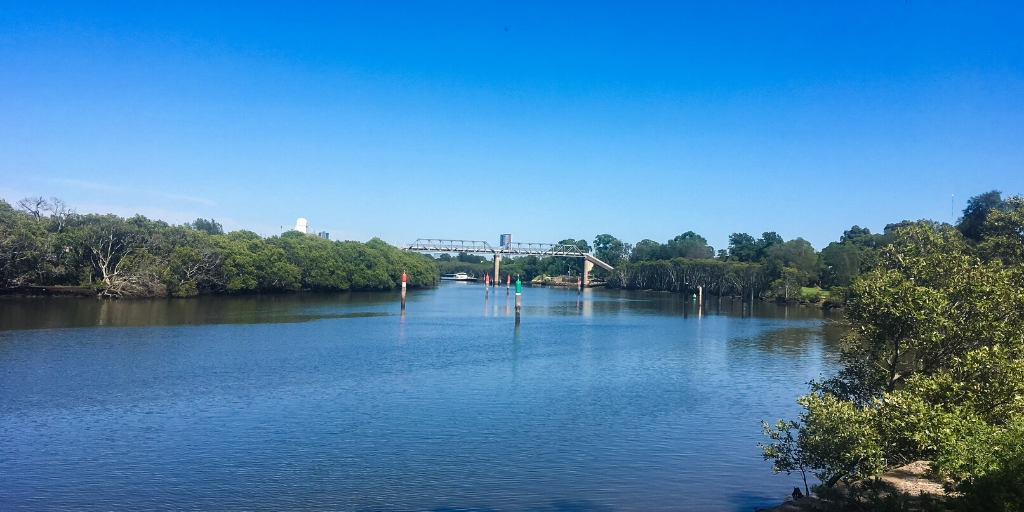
(613, 302)
(51, 313)
(47, 313)
(516, 349)
(788, 340)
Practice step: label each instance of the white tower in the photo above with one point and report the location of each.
(302, 225)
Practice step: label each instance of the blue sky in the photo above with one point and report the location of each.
(467, 120)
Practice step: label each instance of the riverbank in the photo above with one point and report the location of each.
(91, 292)
(824, 304)
(910, 482)
(49, 291)
(552, 284)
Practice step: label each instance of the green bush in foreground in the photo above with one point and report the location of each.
(933, 370)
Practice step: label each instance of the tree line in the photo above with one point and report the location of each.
(768, 267)
(46, 243)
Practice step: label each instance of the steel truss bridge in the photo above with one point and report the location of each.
(509, 249)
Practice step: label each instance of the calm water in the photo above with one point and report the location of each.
(617, 401)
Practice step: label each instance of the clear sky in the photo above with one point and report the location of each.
(471, 119)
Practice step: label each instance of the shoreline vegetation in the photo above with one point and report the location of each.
(932, 370)
(47, 248)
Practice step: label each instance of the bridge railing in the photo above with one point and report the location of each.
(528, 248)
(480, 246)
(449, 245)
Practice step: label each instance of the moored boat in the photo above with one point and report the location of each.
(458, 276)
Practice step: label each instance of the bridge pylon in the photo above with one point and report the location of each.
(497, 263)
(587, 267)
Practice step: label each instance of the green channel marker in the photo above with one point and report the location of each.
(519, 286)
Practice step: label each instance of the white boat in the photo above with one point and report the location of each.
(459, 276)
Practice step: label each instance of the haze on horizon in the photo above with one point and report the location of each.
(466, 120)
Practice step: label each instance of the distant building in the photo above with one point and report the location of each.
(302, 226)
(506, 240)
(325, 235)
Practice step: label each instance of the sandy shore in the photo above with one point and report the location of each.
(911, 479)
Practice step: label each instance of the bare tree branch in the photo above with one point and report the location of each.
(35, 206)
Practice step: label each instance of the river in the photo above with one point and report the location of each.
(612, 400)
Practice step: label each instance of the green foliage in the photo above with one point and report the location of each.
(687, 245)
(744, 248)
(933, 370)
(976, 214)
(1003, 234)
(787, 266)
(21, 249)
(786, 454)
(766, 266)
(469, 258)
(813, 295)
(929, 300)
(686, 275)
(842, 263)
(839, 439)
(860, 237)
(611, 250)
(645, 250)
(1000, 489)
(796, 254)
(646, 275)
(211, 226)
(138, 257)
(107, 241)
(789, 284)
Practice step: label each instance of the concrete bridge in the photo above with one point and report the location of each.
(508, 249)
